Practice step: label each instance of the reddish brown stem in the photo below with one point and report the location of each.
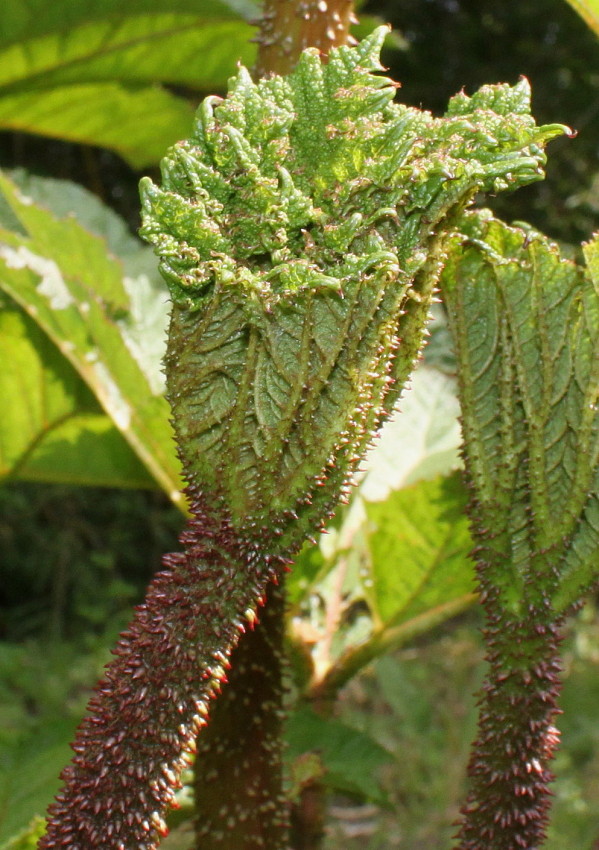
(238, 786)
(508, 805)
(308, 818)
(144, 716)
(289, 26)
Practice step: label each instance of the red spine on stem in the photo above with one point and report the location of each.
(143, 719)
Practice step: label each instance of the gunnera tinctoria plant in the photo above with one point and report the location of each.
(301, 231)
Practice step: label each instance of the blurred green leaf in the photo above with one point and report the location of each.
(350, 758)
(88, 72)
(21, 19)
(29, 771)
(28, 838)
(64, 198)
(419, 543)
(52, 428)
(421, 441)
(588, 11)
(77, 294)
(394, 563)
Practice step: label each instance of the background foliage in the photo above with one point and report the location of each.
(77, 84)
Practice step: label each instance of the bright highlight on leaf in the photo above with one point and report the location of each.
(88, 72)
(74, 292)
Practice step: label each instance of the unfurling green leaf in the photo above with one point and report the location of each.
(526, 325)
(300, 230)
(526, 330)
(297, 230)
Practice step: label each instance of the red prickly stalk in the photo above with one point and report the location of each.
(509, 799)
(143, 719)
(238, 778)
(525, 324)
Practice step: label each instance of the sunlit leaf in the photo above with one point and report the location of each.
(419, 544)
(88, 72)
(63, 278)
(588, 11)
(104, 114)
(421, 441)
(28, 838)
(52, 428)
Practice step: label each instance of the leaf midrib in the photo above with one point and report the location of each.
(42, 79)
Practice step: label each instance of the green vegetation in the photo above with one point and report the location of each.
(83, 320)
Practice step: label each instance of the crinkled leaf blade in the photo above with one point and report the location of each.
(526, 326)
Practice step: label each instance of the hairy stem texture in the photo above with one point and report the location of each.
(142, 722)
(238, 776)
(289, 26)
(508, 805)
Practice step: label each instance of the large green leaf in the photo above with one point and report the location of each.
(87, 72)
(105, 114)
(419, 544)
(52, 428)
(588, 11)
(76, 293)
(20, 19)
(29, 769)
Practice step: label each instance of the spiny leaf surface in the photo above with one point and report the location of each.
(526, 326)
(298, 232)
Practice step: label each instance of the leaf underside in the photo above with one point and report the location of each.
(526, 327)
(298, 231)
